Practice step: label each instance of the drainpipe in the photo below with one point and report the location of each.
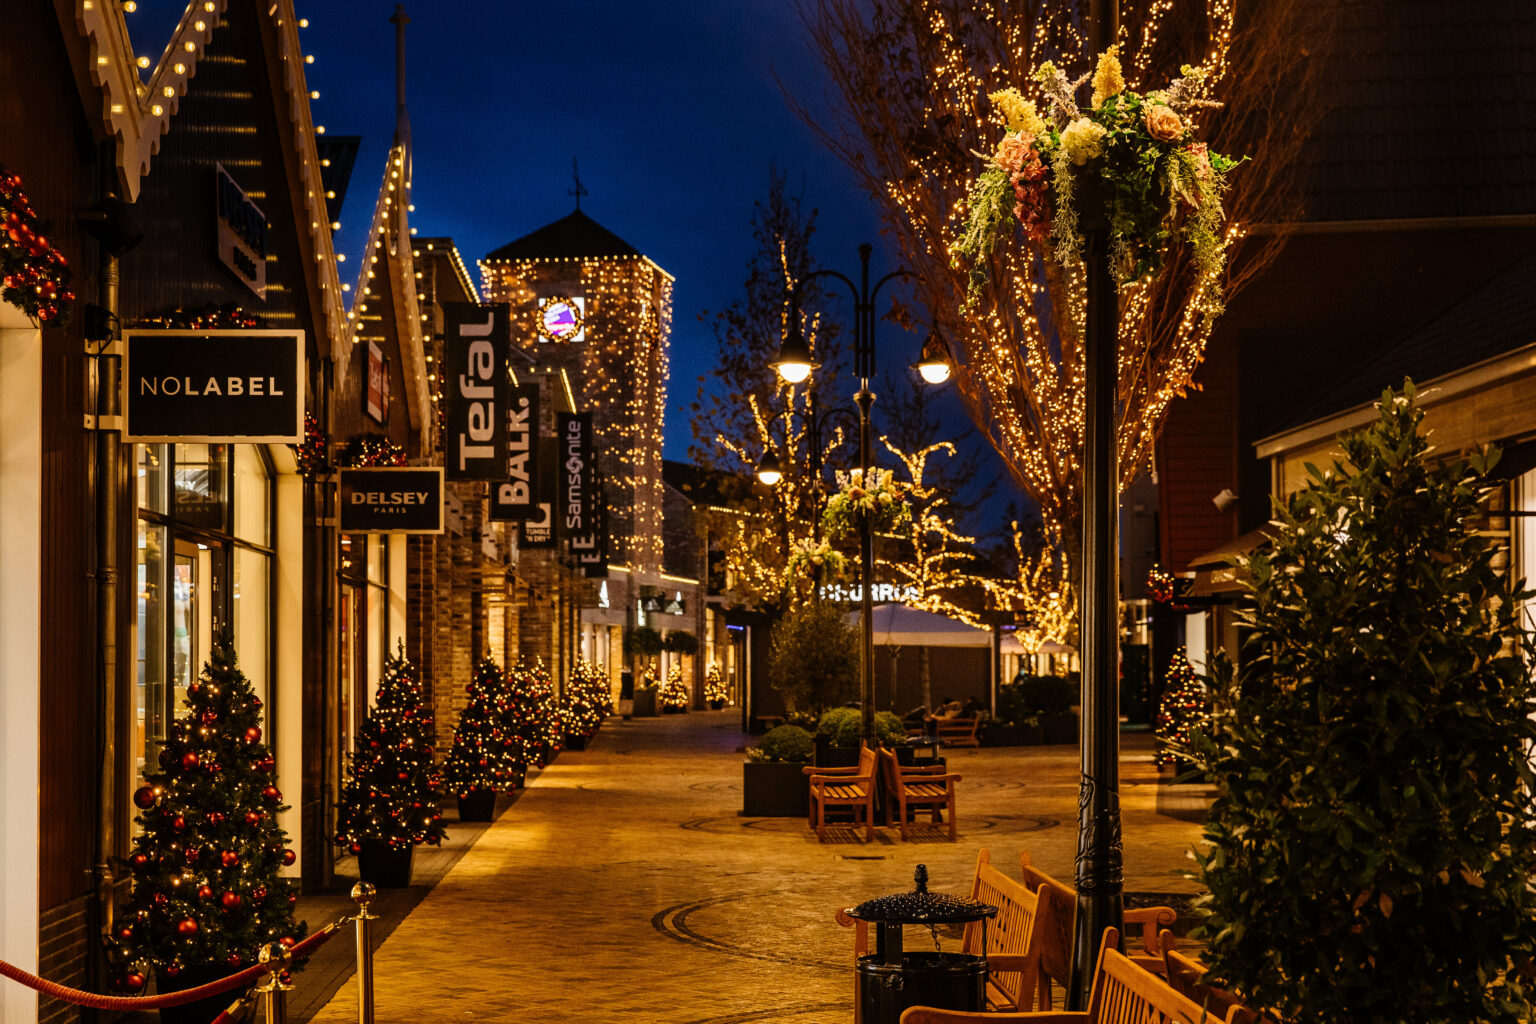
(108, 470)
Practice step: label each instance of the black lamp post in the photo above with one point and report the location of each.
(794, 365)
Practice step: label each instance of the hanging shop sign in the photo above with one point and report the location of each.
(242, 233)
(539, 530)
(475, 390)
(214, 386)
(578, 499)
(376, 398)
(391, 500)
(512, 499)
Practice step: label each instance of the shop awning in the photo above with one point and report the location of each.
(896, 625)
(1215, 575)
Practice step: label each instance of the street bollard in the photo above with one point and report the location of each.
(362, 895)
(274, 991)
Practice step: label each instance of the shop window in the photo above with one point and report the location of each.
(204, 563)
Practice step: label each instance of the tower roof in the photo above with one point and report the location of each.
(571, 237)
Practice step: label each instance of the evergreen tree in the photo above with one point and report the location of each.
(588, 700)
(714, 684)
(206, 890)
(1183, 713)
(674, 695)
(532, 714)
(485, 755)
(1373, 839)
(390, 792)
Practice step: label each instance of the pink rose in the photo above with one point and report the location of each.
(1162, 123)
(1202, 159)
(1011, 152)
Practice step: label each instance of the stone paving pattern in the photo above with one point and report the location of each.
(625, 886)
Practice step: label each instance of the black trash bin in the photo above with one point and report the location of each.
(890, 980)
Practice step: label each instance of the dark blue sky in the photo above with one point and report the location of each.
(672, 108)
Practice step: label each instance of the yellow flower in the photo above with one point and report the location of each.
(1018, 112)
(1107, 79)
(1083, 140)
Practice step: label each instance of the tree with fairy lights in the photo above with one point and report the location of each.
(487, 757)
(674, 693)
(533, 713)
(206, 891)
(389, 800)
(1183, 713)
(715, 690)
(587, 701)
(914, 77)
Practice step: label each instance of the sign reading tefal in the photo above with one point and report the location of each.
(476, 342)
(391, 500)
(214, 386)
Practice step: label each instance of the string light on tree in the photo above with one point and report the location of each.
(486, 754)
(1184, 711)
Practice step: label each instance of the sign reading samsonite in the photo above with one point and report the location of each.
(475, 346)
(214, 386)
(391, 500)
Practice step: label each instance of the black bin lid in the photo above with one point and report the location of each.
(921, 906)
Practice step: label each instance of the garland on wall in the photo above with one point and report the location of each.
(371, 451)
(314, 455)
(35, 274)
(229, 317)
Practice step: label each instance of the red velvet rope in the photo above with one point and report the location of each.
(188, 995)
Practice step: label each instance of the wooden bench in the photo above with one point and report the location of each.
(915, 789)
(956, 732)
(1012, 969)
(1186, 973)
(1054, 923)
(1123, 993)
(853, 788)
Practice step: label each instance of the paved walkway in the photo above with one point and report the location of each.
(624, 885)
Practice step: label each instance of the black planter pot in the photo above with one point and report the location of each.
(829, 756)
(388, 867)
(575, 742)
(203, 1010)
(645, 703)
(1060, 729)
(774, 789)
(478, 806)
(716, 705)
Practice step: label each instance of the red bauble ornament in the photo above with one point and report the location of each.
(253, 735)
(172, 969)
(186, 926)
(271, 795)
(208, 717)
(133, 982)
(161, 899)
(125, 933)
(252, 817)
(194, 689)
(357, 847)
(229, 858)
(204, 892)
(267, 764)
(140, 860)
(215, 817)
(143, 798)
(189, 760)
(402, 776)
(191, 853)
(287, 941)
(258, 895)
(230, 900)
(293, 897)
(179, 823)
(233, 959)
(289, 857)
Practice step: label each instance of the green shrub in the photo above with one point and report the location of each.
(844, 727)
(642, 642)
(1011, 706)
(1373, 837)
(1044, 695)
(815, 658)
(889, 728)
(788, 743)
(807, 720)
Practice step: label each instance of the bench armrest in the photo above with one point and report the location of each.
(812, 769)
(1150, 920)
(932, 1015)
(931, 778)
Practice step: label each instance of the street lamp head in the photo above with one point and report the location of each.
(933, 364)
(768, 470)
(794, 362)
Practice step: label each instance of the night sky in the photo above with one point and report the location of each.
(674, 109)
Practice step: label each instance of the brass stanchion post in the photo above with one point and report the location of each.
(362, 895)
(274, 991)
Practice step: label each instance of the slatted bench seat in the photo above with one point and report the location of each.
(917, 789)
(853, 788)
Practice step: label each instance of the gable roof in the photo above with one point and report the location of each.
(571, 237)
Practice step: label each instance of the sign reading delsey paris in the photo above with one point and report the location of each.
(391, 500)
(214, 386)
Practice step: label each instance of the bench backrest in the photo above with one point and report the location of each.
(1009, 932)
(1186, 975)
(867, 765)
(1124, 993)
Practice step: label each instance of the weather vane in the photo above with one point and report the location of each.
(580, 189)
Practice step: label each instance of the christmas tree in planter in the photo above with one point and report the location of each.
(715, 690)
(486, 757)
(1373, 838)
(588, 700)
(534, 713)
(206, 892)
(388, 803)
(1185, 711)
(674, 695)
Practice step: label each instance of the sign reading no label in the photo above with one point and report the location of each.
(214, 386)
(390, 500)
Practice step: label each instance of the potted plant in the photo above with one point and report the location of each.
(840, 733)
(645, 703)
(814, 661)
(774, 783)
(1050, 699)
(674, 695)
(715, 690)
(587, 701)
(1017, 723)
(486, 757)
